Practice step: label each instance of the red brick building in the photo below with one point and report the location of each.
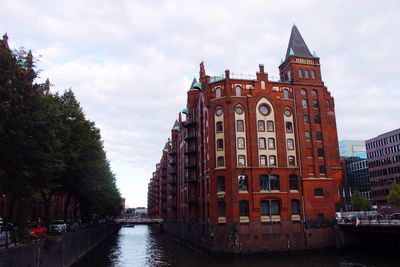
(253, 164)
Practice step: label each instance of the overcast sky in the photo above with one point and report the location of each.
(130, 63)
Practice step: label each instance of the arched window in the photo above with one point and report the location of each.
(263, 160)
(290, 144)
(238, 90)
(271, 143)
(314, 92)
(270, 126)
(221, 209)
(295, 206)
(285, 94)
(261, 126)
(318, 192)
(240, 126)
(300, 73)
(291, 161)
(293, 182)
(313, 75)
(262, 85)
(241, 160)
(244, 208)
(306, 74)
(328, 106)
(220, 144)
(261, 143)
(240, 143)
(219, 127)
(242, 182)
(218, 92)
(272, 161)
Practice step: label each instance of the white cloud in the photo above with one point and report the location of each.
(130, 63)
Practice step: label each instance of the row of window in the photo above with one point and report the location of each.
(306, 74)
(383, 182)
(219, 126)
(383, 141)
(318, 136)
(267, 208)
(384, 162)
(384, 151)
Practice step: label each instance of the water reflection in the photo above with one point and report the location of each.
(143, 246)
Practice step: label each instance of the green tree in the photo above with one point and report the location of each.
(358, 202)
(394, 195)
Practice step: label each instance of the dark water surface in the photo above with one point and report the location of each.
(144, 246)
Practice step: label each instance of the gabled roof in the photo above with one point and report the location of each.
(193, 83)
(297, 47)
(176, 126)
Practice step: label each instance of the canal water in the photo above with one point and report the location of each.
(144, 246)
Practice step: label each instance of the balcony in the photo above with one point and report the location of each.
(189, 137)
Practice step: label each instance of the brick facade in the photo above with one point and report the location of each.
(247, 170)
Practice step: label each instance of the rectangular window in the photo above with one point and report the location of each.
(295, 206)
(221, 184)
(289, 127)
(315, 104)
(317, 119)
(240, 126)
(271, 143)
(240, 143)
(307, 135)
(261, 143)
(219, 127)
(220, 144)
(318, 136)
(306, 119)
(270, 126)
(242, 182)
(263, 160)
(320, 152)
(293, 182)
(264, 182)
(261, 126)
(272, 161)
(221, 209)
(290, 144)
(304, 103)
(322, 169)
(275, 207)
(291, 161)
(220, 162)
(241, 160)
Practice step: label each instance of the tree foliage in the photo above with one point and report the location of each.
(47, 145)
(394, 195)
(358, 202)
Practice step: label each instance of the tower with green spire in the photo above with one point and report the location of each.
(299, 64)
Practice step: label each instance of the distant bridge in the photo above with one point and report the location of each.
(138, 221)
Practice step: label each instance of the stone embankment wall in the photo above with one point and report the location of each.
(56, 251)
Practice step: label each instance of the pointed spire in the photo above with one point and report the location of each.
(29, 60)
(5, 41)
(166, 147)
(47, 85)
(314, 54)
(176, 126)
(193, 83)
(297, 47)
